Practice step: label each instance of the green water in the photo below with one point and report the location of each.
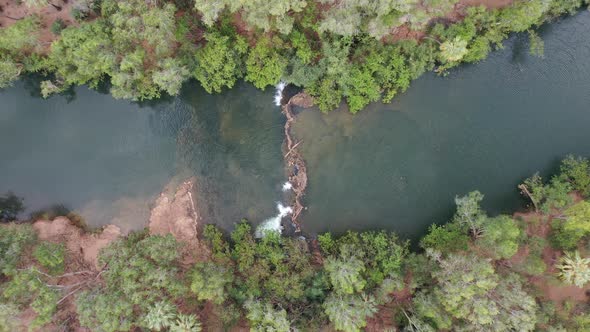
(108, 159)
(485, 126)
(395, 166)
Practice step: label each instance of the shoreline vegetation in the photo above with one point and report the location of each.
(527, 271)
(346, 50)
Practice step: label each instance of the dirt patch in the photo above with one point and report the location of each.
(175, 213)
(11, 12)
(85, 246)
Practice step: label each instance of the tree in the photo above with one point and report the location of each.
(500, 237)
(265, 66)
(536, 44)
(349, 312)
(469, 213)
(469, 290)
(101, 311)
(159, 316)
(27, 289)
(185, 323)
(220, 62)
(345, 274)
(209, 281)
(574, 269)
(84, 55)
(577, 172)
(262, 14)
(9, 72)
(453, 50)
(546, 198)
(14, 238)
(445, 238)
(170, 75)
(263, 317)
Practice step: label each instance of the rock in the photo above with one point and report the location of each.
(175, 213)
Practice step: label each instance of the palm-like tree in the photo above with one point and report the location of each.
(574, 269)
(186, 323)
(160, 316)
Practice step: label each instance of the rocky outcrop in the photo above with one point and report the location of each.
(296, 169)
(86, 246)
(175, 213)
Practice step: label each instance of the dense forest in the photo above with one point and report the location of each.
(358, 51)
(478, 272)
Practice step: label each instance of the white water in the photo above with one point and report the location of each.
(279, 93)
(287, 186)
(273, 224)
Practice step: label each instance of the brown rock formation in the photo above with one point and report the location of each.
(86, 246)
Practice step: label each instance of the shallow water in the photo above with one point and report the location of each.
(108, 159)
(485, 126)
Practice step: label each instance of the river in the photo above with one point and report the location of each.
(396, 166)
(485, 126)
(107, 159)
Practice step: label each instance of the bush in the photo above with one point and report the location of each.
(445, 238)
(50, 256)
(57, 26)
(13, 241)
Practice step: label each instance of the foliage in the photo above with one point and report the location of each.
(8, 312)
(349, 312)
(209, 282)
(453, 50)
(265, 65)
(27, 289)
(263, 317)
(469, 290)
(22, 37)
(51, 256)
(577, 172)
(141, 273)
(469, 213)
(160, 316)
(185, 323)
(220, 61)
(345, 274)
(262, 14)
(359, 259)
(573, 269)
(445, 238)
(536, 44)
(57, 26)
(14, 238)
(546, 197)
(102, 311)
(9, 72)
(500, 237)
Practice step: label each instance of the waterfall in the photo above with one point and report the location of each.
(287, 186)
(279, 93)
(273, 224)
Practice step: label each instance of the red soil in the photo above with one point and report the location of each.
(11, 10)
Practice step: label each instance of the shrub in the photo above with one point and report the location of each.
(57, 26)
(13, 241)
(51, 256)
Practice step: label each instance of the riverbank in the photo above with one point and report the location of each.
(527, 266)
(351, 61)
